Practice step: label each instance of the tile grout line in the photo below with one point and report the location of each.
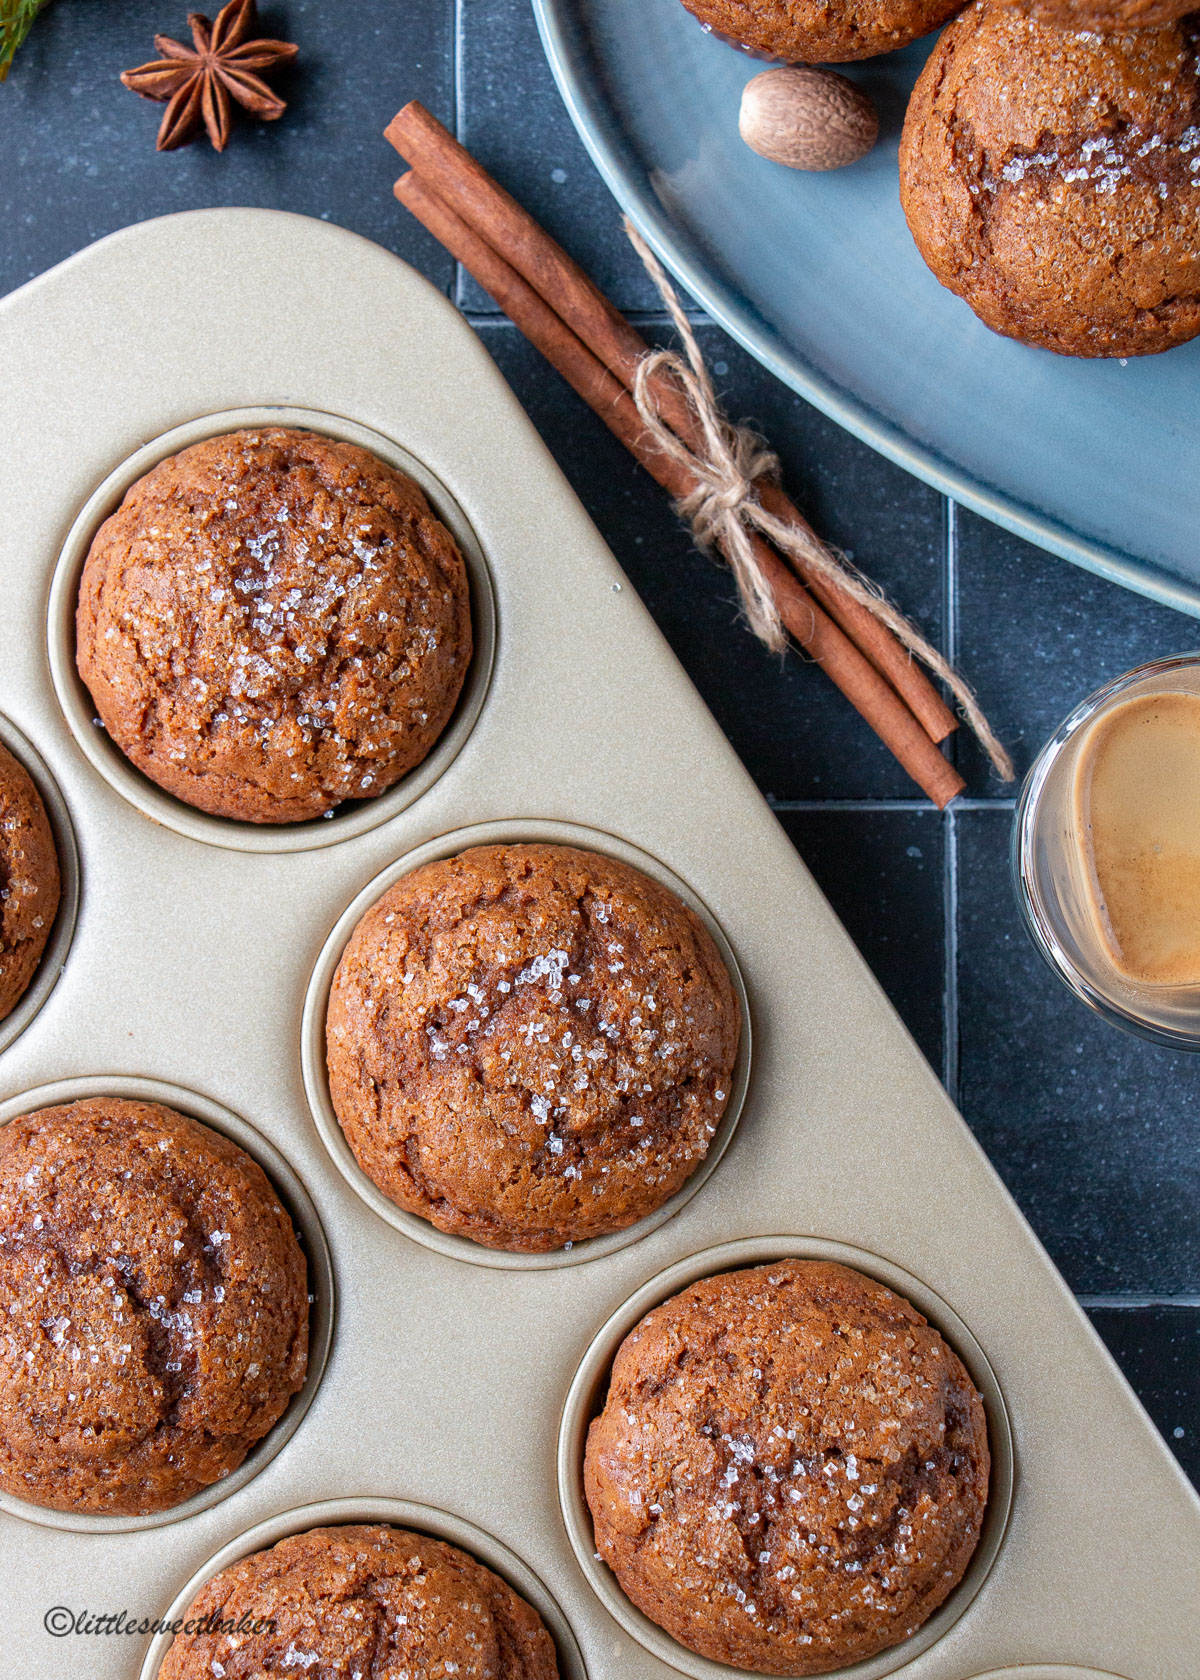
(884, 805)
(458, 99)
(950, 1064)
(1135, 1303)
(950, 1052)
(456, 81)
(636, 317)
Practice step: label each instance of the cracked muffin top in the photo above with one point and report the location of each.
(363, 1603)
(273, 622)
(790, 1470)
(29, 881)
(822, 31)
(153, 1305)
(1052, 179)
(529, 1045)
(1104, 15)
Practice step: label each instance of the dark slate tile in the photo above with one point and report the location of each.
(77, 154)
(1037, 635)
(1158, 1348)
(795, 732)
(1093, 1130)
(513, 120)
(883, 873)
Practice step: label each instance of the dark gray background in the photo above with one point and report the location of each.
(1096, 1133)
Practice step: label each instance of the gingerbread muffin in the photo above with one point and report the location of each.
(1052, 179)
(790, 1470)
(29, 881)
(1104, 15)
(371, 1601)
(821, 32)
(273, 622)
(154, 1305)
(529, 1045)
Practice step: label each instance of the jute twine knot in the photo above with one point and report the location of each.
(724, 508)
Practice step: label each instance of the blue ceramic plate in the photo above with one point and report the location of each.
(817, 276)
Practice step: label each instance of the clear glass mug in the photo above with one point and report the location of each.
(1054, 892)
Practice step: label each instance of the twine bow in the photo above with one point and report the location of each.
(725, 508)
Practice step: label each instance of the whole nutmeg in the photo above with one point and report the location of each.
(808, 119)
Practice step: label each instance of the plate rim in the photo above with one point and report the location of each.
(610, 151)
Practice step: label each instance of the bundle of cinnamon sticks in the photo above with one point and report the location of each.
(563, 313)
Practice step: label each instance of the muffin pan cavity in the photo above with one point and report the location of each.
(1045, 1671)
(399, 1513)
(353, 818)
(587, 1392)
(54, 957)
(298, 1205)
(316, 1079)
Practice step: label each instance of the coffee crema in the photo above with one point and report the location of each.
(1137, 817)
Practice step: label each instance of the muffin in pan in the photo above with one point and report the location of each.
(273, 622)
(29, 881)
(790, 1470)
(822, 31)
(1051, 178)
(363, 1599)
(530, 1045)
(154, 1304)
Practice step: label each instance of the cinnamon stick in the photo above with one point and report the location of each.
(461, 181)
(805, 620)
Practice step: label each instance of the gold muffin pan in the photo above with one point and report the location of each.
(459, 1381)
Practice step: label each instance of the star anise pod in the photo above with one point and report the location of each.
(200, 83)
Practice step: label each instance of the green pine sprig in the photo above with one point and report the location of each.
(16, 20)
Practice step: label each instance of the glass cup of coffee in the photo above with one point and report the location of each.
(1106, 851)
